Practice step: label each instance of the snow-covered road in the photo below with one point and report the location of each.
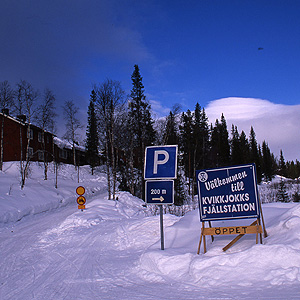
(69, 254)
(112, 249)
(65, 254)
(97, 254)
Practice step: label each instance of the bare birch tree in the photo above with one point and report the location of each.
(6, 102)
(26, 98)
(72, 126)
(109, 107)
(46, 121)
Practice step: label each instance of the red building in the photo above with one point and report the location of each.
(15, 135)
(63, 152)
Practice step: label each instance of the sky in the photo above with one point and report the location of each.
(206, 51)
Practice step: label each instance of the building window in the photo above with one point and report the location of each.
(63, 154)
(30, 151)
(41, 155)
(41, 137)
(30, 134)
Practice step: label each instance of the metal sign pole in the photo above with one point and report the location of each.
(161, 228)
(159, 169)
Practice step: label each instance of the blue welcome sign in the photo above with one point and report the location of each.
(228, 193)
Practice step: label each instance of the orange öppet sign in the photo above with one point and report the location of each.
(232, 230)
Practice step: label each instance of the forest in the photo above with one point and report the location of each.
(120, 127)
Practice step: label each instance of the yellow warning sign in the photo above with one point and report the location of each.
(81, 200)
(80, 190)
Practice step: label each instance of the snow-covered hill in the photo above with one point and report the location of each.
(112, 249)
(40, 195)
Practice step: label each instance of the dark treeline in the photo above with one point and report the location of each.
(126, 128)
(120, 127)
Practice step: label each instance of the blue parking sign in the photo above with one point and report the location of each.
(161, 162)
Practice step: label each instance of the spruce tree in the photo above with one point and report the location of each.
(179, 193)
(215, 141)
(282, 165)
(236, 154)
(148, 129)
(140, 124)
(171, 137)
(224, 143)
(201, 138)
(92, 141)
(140, 114)
(267, 162)
(220, 151)
(282, 194)
(187, 145)
(197, 139)
(254, 154)
(171, 133)
(291, 170)
(204, 140)
(244, 148)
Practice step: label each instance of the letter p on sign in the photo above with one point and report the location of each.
(161, 162)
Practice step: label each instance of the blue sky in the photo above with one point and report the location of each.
(187, 51)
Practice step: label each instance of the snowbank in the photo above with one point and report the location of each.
(121, 236)
(274, 263)
(40, 195)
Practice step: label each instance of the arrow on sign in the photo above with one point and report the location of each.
(161, 199)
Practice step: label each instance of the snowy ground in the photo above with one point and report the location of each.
(51, 250)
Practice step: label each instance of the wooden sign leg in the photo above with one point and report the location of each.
(233, 242)
(257, 223)
(212, 237)
(237, 238)
(204, 241)
(263, 221)
(202, 237)
(260, 235)
(200, 243)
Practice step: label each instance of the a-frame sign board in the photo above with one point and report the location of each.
(227, 194)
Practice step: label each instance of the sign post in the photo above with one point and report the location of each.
(159, 172)
(161, 219)
(226, 194)
(81, 199)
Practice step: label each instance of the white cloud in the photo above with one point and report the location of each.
(158, 110)
(277, 124)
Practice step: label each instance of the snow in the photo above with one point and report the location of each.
(111, 250)
(62, 143)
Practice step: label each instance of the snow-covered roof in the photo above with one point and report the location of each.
(62, 143)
